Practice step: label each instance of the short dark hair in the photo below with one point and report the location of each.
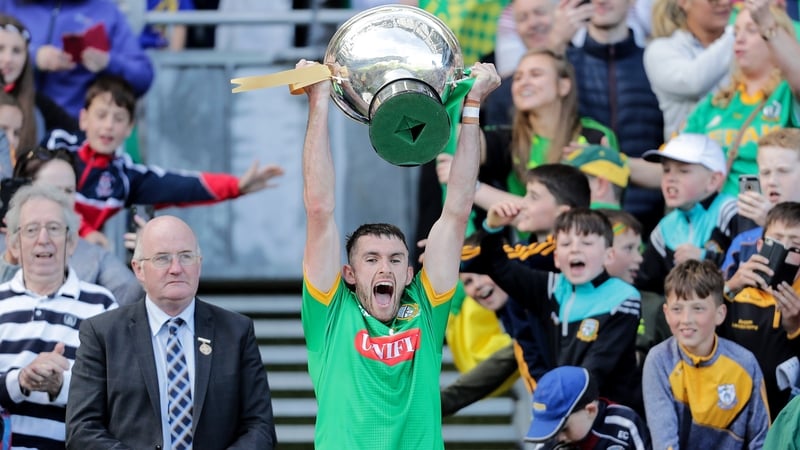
(787, 213)
(591, 394)
(29, 163)
(373, 229)
(693, 277)
(621, 221)
(567, 184)
(585, 221)
(121, 92)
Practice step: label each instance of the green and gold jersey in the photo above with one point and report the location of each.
(377, 385)
(723, 124)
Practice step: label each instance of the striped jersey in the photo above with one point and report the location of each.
(31, 324)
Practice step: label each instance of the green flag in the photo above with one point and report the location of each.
(474, 22)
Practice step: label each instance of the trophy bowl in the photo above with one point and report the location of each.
(392, 68)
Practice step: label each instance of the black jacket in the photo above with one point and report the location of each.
(614, 90)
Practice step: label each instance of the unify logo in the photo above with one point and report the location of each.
(389, 350)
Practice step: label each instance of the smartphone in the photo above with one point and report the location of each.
(783, 261)
(749, 183)
(146, 212)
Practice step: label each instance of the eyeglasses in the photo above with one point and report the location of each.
(32, 230)
(163, 260)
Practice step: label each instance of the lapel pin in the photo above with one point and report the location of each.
(205, 348)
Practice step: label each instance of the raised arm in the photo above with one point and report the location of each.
(443, 250)
(785, 47)
(321, 263)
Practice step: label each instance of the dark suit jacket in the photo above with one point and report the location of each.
(114, 396)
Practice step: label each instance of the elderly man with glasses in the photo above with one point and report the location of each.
(41, 309)
(170, 371)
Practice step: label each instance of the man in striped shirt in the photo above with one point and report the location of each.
(41, 309)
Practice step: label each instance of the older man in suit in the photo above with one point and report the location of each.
(170, 371)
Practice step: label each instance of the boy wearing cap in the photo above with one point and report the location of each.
(693, 171)
(608, 173)
(568, 411)
(702, 391)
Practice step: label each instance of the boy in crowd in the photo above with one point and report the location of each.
(552, 189)
(108, 182)
(591, 318)
(525, 356)
(555, 188)
(778, 159)
(693, 171)
(625, 262)
(700, 390)
(568, 411)
(608, 173)
(763, 319)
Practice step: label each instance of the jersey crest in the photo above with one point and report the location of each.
(105, 185)
(407, 311)
(389, 350)
(587, 332)
(772, 111)
(727, 396)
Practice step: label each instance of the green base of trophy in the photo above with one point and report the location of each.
(409, 128)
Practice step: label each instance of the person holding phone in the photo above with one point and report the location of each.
(765, 318)
(778, 160)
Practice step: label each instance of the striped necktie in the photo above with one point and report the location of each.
(179, 394)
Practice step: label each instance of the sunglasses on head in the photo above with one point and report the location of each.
(10, 27)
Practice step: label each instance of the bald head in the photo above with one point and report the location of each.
(160, 227)
(167, 262)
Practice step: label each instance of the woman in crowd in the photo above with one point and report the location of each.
(762, 94)
(546, 126)
(91, 262)
(690, 55)
(39, 112)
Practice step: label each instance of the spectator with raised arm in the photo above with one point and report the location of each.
(692, 39)
(762, 94)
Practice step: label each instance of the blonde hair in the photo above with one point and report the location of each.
(667, 18)
(788, 138)
(724, 96)
(522, 130)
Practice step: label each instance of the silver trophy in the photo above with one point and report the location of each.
(392, 67)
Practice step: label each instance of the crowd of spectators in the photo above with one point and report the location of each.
(611, 207)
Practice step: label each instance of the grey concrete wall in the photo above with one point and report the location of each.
(193, 122)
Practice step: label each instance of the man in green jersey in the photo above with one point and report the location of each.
(374, 330)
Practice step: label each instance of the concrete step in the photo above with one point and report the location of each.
(254, 305)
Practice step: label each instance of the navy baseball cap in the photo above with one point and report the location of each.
(558, 394)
